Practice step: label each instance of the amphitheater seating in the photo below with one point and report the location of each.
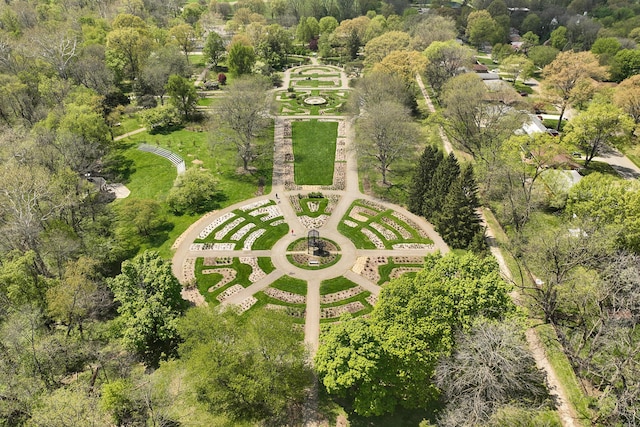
(177, 161)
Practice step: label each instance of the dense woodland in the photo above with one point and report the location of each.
(93, 330)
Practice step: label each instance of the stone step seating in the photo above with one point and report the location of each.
(341, 295)
(333, 312)
(229, 292)
(246, 304)
(285, 296)
(177, 161)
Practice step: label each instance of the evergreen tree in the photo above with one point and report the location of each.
(445, 174)
(429, 161)
(458, 223)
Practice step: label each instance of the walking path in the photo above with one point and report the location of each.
(565, 409)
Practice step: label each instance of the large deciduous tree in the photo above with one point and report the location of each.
(564, 78)
(160, 65)
(183, 35)
(183, 95)
(490, 367)
(256, 364)
(389, 359)
(379, 47)
(600, 126)
(386, 135)
(627, 97)
(476, 126)
(483, 28)
(194, 192)
(445, 60)
(432, 28)
(523, 160)
(214, 48)
(241, 58)
(244, 111)
(150, 305)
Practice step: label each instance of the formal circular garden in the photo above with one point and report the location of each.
(321, 253)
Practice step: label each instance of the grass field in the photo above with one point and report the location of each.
(314, 149)
(205, 281)
(336, 284)
(363, 242)
(151, 176)
(290, 284)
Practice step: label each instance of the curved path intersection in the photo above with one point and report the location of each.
(232, 241)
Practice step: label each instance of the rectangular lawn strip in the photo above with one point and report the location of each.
(291, 284)
(314, 148)
(266, 264)
(565, 373)
(337, 284)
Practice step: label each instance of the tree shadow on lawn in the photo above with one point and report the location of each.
(401, 417)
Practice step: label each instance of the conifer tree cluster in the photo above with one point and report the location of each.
(447, 196)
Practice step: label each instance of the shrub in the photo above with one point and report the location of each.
(194, 192)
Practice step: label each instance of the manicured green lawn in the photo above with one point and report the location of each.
(304, 204)
(151, 176)
(205, 281)
(336, 284)
(266, 241)
(363, 242)
(314, 150)
(291, 284)
(385, 270)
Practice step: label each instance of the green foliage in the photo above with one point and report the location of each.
(559, 38)
(624, 64)
(183, 95)
(483, 28)
(250, 368)
(458, 222)
(161, 117)
(69, 406)
(150, 304)
(609, 202)
(429, 160)
(446, 172)
(194, 192)
(117, 400)
(388, 359)
(601, 125)
(241, 59)
(214, 48)
(144, 215)
(542, 55)
(274, 46)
